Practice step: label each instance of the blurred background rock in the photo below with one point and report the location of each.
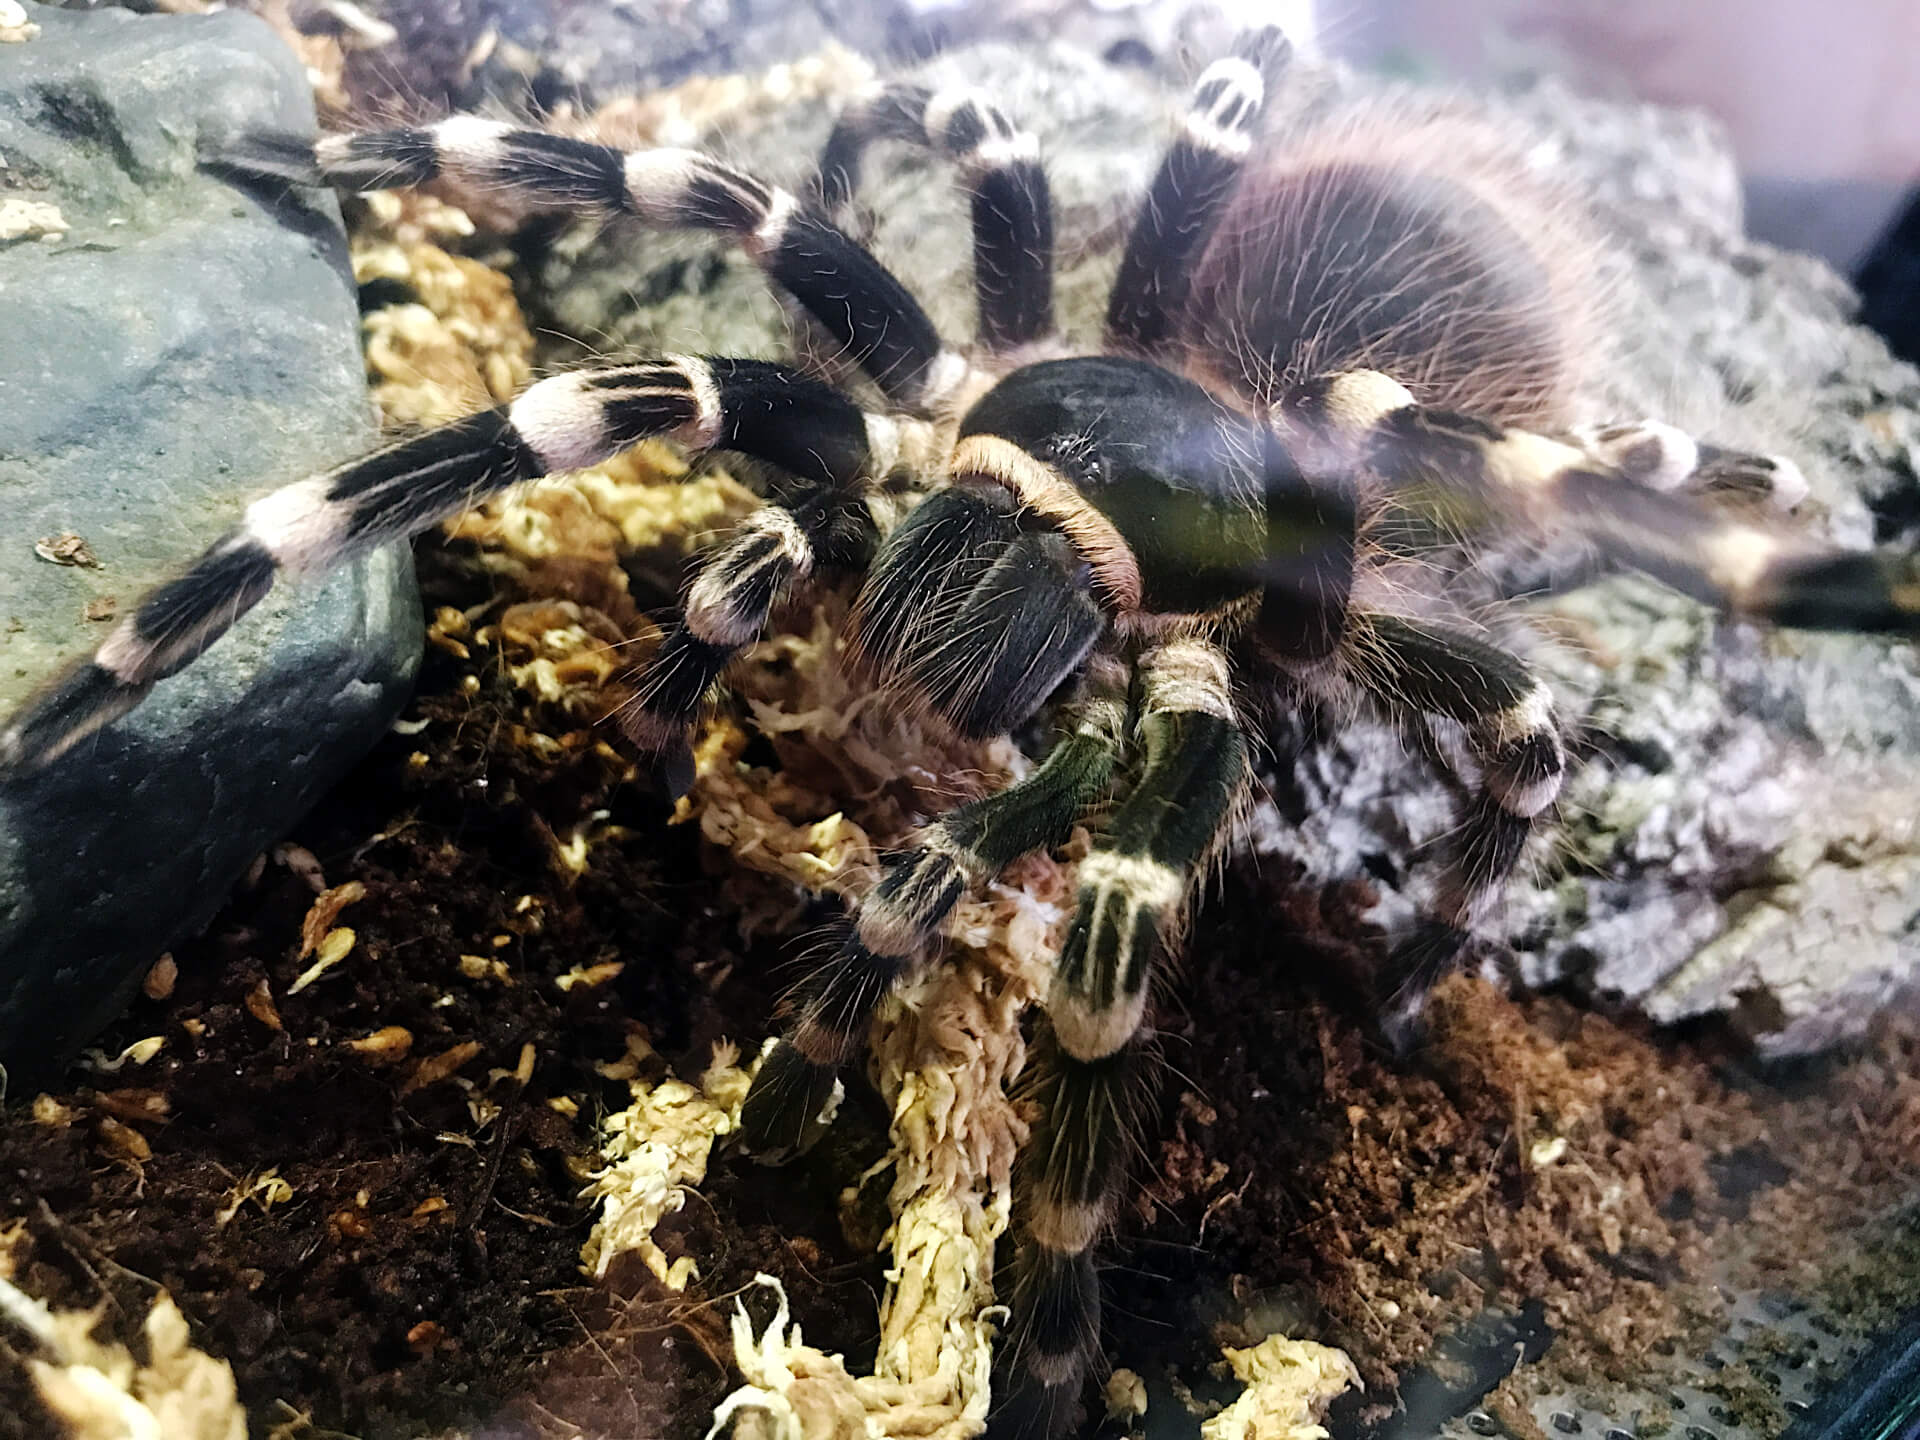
(1817, 101)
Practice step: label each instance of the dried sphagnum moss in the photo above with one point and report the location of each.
(98, 1391)
(1290, 1384)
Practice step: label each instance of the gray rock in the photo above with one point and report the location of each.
(1739, 836)
(624, 49)
(527, 55)
(181, 347)
(473, 54)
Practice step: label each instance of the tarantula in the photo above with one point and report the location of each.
(1231, 500)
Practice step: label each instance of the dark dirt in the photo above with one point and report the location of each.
(427, 1259)
(1308, 1182)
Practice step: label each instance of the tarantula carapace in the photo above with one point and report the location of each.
(1321, 360)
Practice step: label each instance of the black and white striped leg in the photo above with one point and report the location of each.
(726, 607)
(1413, 668)
(1132, 899)
(1663, 457)
(999, 165)
(819, 521)
(307, 528)
(853, 297)
(891, 933)
(1190, 190)
(1462, 468)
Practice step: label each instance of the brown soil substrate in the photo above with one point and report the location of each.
(1537, 1173)
(421, 1269)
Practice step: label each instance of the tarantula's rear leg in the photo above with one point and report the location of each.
(818, 520)
(1425, 456)
(891, 931)
(1412, 669)
(565, 422)
(1000, 167)
(853, 297)
(1190, 191)
(1133, 892)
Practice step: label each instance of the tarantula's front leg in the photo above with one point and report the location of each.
(852, 296)
(726, 607)
(566, 422)
(1190, 191)
(1000, 167)
(1133, 893)
(817, 520)
(890, 932)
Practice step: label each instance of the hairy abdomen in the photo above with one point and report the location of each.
(1419, 244)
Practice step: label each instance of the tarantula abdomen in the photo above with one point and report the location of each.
(1420, 245)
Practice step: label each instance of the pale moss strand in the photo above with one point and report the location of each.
(657, 1148)
(1290, 1384)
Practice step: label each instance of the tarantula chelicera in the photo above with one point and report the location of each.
(1320, 364)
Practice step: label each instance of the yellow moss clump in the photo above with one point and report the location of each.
(656, 1148)
(463, 346)
(100, 1392)
(1289, 1384)
(942, 1054)
(687, 114)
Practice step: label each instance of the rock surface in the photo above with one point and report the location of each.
(437, 55)
(1739, 835)
(173, 347)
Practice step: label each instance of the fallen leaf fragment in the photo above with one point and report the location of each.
(28, 219)
(52, 1113)
(588, 976)
(260, 1005)
(125, 1141)
(385, 1046)
(333, 949)
(138, 1053)
(435, 1068)
(15, 28)
(130, 1104)
(67, 548)
(161, 977)
(324, 911)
